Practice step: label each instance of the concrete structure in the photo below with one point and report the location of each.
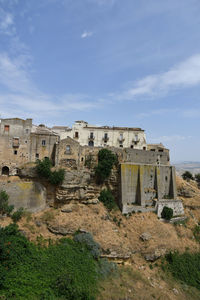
(104, 136)
(148, 187)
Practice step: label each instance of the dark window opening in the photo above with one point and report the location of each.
(91, 135)
(144, 148)
(121, 146)
(76, 134)
(37, 155)
(91, 144)
(82, 158)
(43, 142)
(5, 171)
(131, 146)
(15, 152)
(160, 150)
(152, 150)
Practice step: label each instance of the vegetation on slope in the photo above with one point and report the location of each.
(66, 269)
(43, 168)
(106, 160)
(185, 267)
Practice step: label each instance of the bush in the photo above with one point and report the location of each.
(197, 178)
(185, 267)
(107, 199)
(187, 175)
(106, 160)
(16, 216)
(63, 270)
(87, 240)
(167, 213)
(5, 208)
(57, 177)
(43, 169)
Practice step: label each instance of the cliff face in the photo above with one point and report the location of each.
(81, 186)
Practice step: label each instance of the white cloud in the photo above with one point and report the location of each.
(23, 99)
(6, 23)
(182, 75)
(86, 34)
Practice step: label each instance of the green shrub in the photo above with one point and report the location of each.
(185, 267)
(16, 216)
(57, 177)
(106, 197)
(5, 208)
(63, 270)
(167, 213)
(106, 160)
(197, 178)
(43, 169)
(87, 240)
(187, 175)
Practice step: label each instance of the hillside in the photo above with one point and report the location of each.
(140, 275)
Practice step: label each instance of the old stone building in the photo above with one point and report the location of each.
(104, 136)
(22, 142)
(143, 180)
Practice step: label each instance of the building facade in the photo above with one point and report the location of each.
(104, 136)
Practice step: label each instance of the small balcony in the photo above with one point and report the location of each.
(91, 137)
(135, 141)
(121, 139)
(105, 138)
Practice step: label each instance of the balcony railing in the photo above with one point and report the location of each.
(91, 138)
(135, 141)
(121, 139)
(105, 138)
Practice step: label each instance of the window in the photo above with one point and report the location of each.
(121, 136)
(144, 148)
(37, 155)
(15, 152)
(76, 134)
(121, 146)
(27, 130)
(16, 142)
(68, 149)
(43, 142)
(6, 128)
(91, 135)
(105, 136)
(131, 146)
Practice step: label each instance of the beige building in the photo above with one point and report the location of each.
(103, 136)
(22, 142)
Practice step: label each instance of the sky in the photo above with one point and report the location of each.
(133, 63)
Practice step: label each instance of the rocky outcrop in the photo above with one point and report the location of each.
(80, 185)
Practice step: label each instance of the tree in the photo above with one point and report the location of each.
(187, 175)
(106, 160)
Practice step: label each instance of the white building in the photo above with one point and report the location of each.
(102, 136)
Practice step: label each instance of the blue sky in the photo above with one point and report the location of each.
(109, 62)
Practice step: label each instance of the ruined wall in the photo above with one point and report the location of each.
(177, 207)
(27, 194)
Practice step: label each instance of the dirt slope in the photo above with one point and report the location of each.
(119, 237)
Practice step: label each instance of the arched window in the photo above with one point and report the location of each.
(5, 171)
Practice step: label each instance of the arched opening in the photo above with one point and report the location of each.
(91, 144)
(5, 171)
